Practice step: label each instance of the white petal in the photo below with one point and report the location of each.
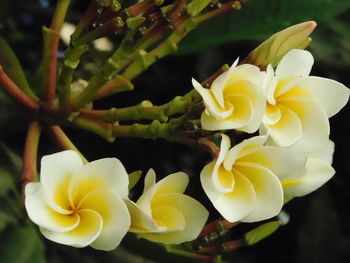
(224, 147)
(331, 95)
(276, 159)
(314, 123)
(150, 179)
(55, 175)
(43, 215)
(319, 173)
(173, 183)
(194, 213)
(295, 64)
(269, 85)
(272, 114)
(235, 151)
(287, 130)
(268, 190)
(210, 102)
(241, 117)
(115, 216)
(107, 173)
(140, 221)
(248, 72)
(84, 234)
(232, 206)
(219, 83)
(325, 153)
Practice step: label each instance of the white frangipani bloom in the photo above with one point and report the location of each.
(243, 183)
(235, 99)
(80, 205)
(299, 105)
(164, 214)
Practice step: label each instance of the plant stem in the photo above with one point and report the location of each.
(70, 63)
(30, 153)
(124, 54)
(217, 226)
(62, 139)
(89, 16)
(100, 128)
(51, 39)
(16, 93)
(177, 251)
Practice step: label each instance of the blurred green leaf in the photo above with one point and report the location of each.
(261, 232)
(5, 220)
(21, 244)
(11, 65)
(331, 42)
(7, 182)
(259, 19)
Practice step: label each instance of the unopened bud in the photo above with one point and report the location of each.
(273, 49)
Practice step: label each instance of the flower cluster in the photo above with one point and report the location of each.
(293, 154)
(81, 205)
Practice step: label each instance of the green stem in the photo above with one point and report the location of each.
(124, 54)
(51, 39)
(177, 251)
(115, 85)
(170, 131)
(115, 25)
(30, 153)
(217, 226)
(144, 110)
(224, 8)
(16, 93)
(62, 139)
(88, 17)
(144, 59)
(100, 128)
(70, 63)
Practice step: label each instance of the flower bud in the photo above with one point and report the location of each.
(273, 49)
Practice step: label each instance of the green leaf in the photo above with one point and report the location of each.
(21, 244)
(13, 68)
(259, 19)
(7, 182)
(5, 220)
(261, 232)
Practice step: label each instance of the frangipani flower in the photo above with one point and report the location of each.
(164, 214)
(77, 204)
(243, 182)
(235, 99)
(319, 171)
(299, 105)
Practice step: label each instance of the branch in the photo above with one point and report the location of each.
(51, 39)
(16, 93)
(62, 139)
(30, 154)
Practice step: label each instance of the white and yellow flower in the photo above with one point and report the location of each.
(235, 99)
(299, 105)
(77, 204)
(164, 214)
(243, 182)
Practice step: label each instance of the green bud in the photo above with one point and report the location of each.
(261, 232)
(273, 49)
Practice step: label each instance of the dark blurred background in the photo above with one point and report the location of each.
(319, 226)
